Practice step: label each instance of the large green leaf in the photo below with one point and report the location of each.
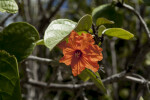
(95, 77)
(57, 31)
(9, 6)
(108, 11)
(119, 33)
(19, 39)
(102, 21)
(9, 77)
(84, 23)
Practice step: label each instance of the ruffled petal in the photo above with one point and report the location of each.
(73, 39)
(88, 38)
(94, 66)
(66, 60)
(77, 67)
(94, 53)
(62, 45)
(85, 40)
(68, 54)
(68, 51)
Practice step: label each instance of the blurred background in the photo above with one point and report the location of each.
(118, 54)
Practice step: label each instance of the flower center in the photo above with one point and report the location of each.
(78, 53)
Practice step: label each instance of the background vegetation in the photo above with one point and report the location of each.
(124, 69)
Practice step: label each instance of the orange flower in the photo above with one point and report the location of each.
(80, 52)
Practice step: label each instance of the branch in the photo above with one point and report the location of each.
(114, 77)
(138, 16)
(39, 59)
(41, 10)
(114, 67)
(45, 21)
(137, 80)
(49, 6)
(57, 9)
(58, 86)
(4, 20)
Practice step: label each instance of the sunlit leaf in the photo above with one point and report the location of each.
(95, 77)
(102, 21)
(9, 77)
(40, 42)
(57, 31)
(84, 23)
(84, 76)
(19, 39)
(119, 33)
(9, 6)
(101, 29)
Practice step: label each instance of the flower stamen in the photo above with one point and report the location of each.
(78, 54)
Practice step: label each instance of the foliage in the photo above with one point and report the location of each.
(9, 77)
(9, 6)
(19, 39)
(107, 11)
(84, 23)
(23, 32)
(118, 32)
(57, 31)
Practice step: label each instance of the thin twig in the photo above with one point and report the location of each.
(57, 9)
(49, 6)
(137, 80)
(45, 20)
(138, 16)
(114, 77)
(4, 20)
(41, 10)
(114, 66)
(39, 59)
(95, 33)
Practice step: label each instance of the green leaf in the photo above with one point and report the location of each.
(84, 76)
(141, 98)
(40, 42)
(102, 21)
(96, 79)
(57, 31)
(9, 77)
(101, 29)
(9, 6)
(19, 39)
(84, 24)
(81, 32)
(108, 11)
(119, 33)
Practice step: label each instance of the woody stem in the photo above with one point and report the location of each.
(96, 38)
